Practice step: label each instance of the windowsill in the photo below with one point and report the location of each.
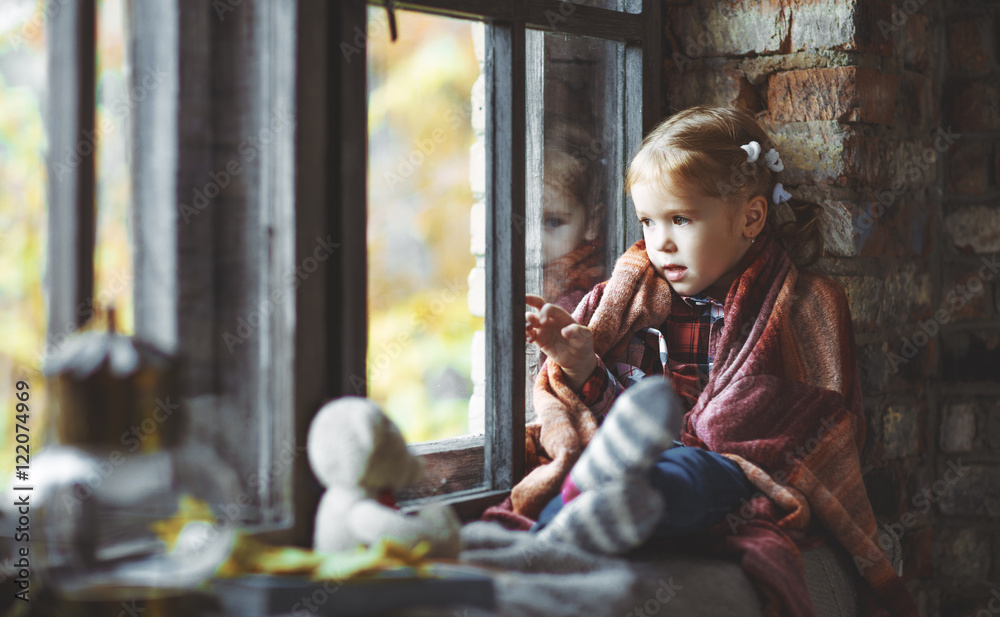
(469, 505)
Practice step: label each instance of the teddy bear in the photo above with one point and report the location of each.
(360, 457)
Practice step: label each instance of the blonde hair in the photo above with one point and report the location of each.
(700, 146)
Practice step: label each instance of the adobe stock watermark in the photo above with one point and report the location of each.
(246, 326)
(957, 298)
(566, 10)
(992, 607)
(694, 47)
(407, 165)
(32, 27)
(249, 148)
(900, 15)
(87, 146)
(223, 7)
(131, 440)
(665, 592)
(914, 171)
(376, 27)
(381, 361)
(921, 502)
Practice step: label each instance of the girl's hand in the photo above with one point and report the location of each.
(561, 338)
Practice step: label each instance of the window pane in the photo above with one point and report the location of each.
(23, 214)
(115, 101)
(425, 174)
(628, 6)
(577, 184)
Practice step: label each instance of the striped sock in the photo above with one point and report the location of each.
(642, 423)
(610, 520)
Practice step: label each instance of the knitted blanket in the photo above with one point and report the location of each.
(783, 401)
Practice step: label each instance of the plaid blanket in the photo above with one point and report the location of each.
(783, 401)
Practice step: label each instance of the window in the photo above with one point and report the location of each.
(250, 209)
(568, 89)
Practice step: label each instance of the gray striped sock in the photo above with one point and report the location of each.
(642, 423)
(610, 520)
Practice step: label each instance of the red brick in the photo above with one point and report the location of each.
(971, 105)
(901, 430)
(916, 94)
(865, 296)
(912, 41)
(734, 28)
(958, 427)
(918, 554)
(974, 229)
(965, 294)
(891, 226)
(843, 93)
(828, 152)
(971, 357)
(847, 26)
(716, 85)
(963, 554)
(968, 43)
(907, 294)
(967, 168)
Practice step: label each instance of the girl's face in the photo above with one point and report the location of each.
(694, 241)
(564, 222)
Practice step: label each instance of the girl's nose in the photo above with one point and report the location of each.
(663, 242)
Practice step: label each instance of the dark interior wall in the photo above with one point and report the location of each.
(887, 114)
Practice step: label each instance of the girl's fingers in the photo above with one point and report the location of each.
(534, 301)
(575, 332)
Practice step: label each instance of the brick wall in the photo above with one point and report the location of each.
(888, 116)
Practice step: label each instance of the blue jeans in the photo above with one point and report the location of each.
(699, 486)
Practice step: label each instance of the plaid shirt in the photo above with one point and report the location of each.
(684, 344)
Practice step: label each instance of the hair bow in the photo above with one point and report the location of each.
(753, 151)
(772, 158)
(780, 195)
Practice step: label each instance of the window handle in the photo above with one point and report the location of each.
(390, 12)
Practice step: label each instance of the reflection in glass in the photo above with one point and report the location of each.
(574, 188)
(572, 213)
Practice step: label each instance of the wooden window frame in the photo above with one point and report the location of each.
(314, 185)
(510, 64)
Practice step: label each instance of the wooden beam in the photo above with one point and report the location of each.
(71, 33)
(547, 15)
(505, 226)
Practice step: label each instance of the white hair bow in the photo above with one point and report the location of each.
(780, 195)
(772, 158)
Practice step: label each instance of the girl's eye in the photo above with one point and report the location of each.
(554, 222)
(680, 220)
(646, 222)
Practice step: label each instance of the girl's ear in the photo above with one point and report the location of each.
(755, 216)
(595, 222)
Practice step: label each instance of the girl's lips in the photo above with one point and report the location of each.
(674, 273)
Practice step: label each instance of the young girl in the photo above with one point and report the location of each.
(760, 354)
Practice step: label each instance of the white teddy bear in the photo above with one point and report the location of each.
(359, 455)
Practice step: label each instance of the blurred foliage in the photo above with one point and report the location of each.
(419, 200)
(23, 205)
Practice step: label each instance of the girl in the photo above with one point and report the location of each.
(762, 359)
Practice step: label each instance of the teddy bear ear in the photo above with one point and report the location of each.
(340, 440)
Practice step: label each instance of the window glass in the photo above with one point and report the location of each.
(116, 100)
(577, 185)
(23, 215)
(425, 175)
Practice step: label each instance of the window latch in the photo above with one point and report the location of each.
(391, 14)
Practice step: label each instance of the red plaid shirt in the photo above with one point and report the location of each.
(684, 345)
